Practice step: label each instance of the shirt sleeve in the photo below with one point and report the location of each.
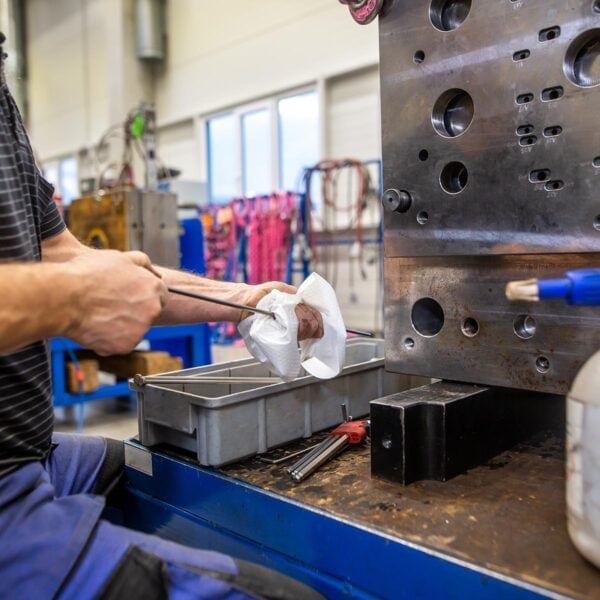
(51, 222)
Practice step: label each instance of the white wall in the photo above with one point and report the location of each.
(84, 76)
(225, 53)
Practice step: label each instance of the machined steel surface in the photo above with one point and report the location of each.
(491, 165)
(484, 338)
(530, 175)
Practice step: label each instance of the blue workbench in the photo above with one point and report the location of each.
(342, 556)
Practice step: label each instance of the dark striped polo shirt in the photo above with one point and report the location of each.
(28, 215)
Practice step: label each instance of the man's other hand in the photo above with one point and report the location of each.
(310, 320)
(117, 297)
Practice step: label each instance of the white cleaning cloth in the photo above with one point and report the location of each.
(275, 341)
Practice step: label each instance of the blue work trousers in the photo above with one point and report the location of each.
(53, 541)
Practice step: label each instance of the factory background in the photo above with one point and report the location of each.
(445, 445)
(256, 68)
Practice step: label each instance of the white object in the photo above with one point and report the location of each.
(583, 460)
(275, 341)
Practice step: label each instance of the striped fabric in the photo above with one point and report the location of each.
(27, 215)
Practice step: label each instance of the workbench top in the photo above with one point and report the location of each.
(507, 515)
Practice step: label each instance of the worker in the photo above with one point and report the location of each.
(53, 539)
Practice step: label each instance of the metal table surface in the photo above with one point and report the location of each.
(504, 521)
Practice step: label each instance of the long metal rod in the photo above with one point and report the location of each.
(144, 380)
(308, 468)
(320, 447)
(248, 308)
(220, 301)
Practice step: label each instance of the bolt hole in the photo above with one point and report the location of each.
(470, 327)
(528, 140)
(422, 217)
(447, 15)
(409, 343)
(553, 131)
(419, 56)
(539, 176)
(542, 364)
(596, 6)
(553, 93)
(524, 327)
(582, 61)
(525, 129)
(423, 155)
(427, 317)
(454, 178)
(453, 113)
(553, 186)
(549, 34)
(521, 55)
(597, 223)
(596, 162)
(386, 441)
(525, 98)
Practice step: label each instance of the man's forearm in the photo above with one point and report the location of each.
(35, 305)
(188, 310)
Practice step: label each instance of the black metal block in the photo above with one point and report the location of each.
(439, 430)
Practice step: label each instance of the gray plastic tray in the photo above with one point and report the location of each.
(224, 422)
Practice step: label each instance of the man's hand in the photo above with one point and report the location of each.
(117, 299)
(310, 321)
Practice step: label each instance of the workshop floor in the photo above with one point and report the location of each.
(118, 418)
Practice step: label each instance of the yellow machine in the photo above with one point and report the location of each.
(129, 219)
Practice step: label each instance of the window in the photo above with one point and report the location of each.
(261, 147)
(222, 164)
(62, 174)
(298, 137)
(256, 152)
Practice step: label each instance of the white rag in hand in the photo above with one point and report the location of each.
(275, 341)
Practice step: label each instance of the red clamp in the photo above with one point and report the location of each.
(356, 431)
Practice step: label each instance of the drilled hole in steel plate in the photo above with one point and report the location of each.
(596, 6)
(454, 178)
(554, 186)
(470, 327)
(447, 15)
(521, 55)
(409, 343)
(452, 113)
(553, 93)
(539, 175)
(582, 61)
(419, 56)
(423, 155)
(596, 162)
(528, 140)
(525, 129)
(553, 131)
(427, 317)
(524, 327)
(525, 98)
(542, 364)
(422, 217)
(547, 35)
(597, 223)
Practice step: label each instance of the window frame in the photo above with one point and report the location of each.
(270, 103)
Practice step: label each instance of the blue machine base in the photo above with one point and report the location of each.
(201, 507)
